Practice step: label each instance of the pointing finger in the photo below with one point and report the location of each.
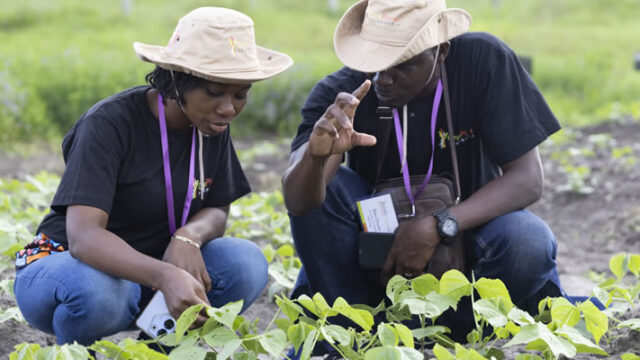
(362, 90)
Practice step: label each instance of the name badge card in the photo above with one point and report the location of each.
(377, 214)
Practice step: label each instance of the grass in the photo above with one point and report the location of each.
(57, 58)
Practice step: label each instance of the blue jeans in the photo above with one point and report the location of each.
(518, 248)
(61, 295)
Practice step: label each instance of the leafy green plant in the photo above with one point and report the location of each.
(22, 206)
(261, 217)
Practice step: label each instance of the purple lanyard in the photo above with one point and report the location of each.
(405, 168)
(167, 171)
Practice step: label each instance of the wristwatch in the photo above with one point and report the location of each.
(447, 226)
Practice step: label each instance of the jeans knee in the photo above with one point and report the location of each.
(238, 271)
(88, 313)
(516, 242)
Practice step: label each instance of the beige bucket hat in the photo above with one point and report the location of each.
(216, 44)
(374, 35)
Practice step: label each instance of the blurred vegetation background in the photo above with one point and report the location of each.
(59, 57)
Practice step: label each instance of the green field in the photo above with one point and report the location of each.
(57, 58)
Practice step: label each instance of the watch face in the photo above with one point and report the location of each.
(450, 227)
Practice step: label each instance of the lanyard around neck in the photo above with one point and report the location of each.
(405, 167)
(167, 171)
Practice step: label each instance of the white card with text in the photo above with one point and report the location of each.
(377, 214)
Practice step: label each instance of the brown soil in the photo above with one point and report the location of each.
(590, 228)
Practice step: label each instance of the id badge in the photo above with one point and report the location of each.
(377, 214)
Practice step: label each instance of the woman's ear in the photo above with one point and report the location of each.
(444, 51)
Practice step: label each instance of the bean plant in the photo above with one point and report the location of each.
(404, 326)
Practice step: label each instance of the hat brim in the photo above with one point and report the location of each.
(369, 56)
(271, 63)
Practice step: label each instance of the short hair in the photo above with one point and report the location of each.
(161, 80)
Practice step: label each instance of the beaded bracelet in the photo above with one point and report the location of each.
(186, 239)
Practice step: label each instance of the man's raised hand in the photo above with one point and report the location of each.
(333, 133)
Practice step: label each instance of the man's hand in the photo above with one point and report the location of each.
(333, 133)
(189, 258)
(413, 246)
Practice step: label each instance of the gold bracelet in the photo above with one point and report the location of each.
(186, 239)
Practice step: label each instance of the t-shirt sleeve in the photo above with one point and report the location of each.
(321, 96)
(93, 150)
(513, 115)
(229, 181)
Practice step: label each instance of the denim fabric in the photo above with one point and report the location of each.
(518, 248)
(61, 295)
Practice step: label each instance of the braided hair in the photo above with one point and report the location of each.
(172, 86)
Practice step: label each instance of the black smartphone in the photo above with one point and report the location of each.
(373, 249)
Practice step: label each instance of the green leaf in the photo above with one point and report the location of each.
(454, 284)
(429, 331)
(467, 354)
(634, 264)
(493, 289)
(186, 319)
(627, 356)
(192, 352)
(107, 348)
(139, 350)
(296, 335)
(24, 351)
(512, 328)
(396, 285)
(405, 335)
(11, 313)
(536, 334)
(425, 284)
(219, 337)
(431, 306)
(229, 349)
(274, 341)
(618, 264)
(582, 344)
(597, 322)
(308, 304)
(520, 317)
(490, 312)
(633, 324)
(528, 357)
(309, 344)
(387, 335)
(338, 333)
(393, 353)
(322, 305)
(268, 253)
(383, 353)
(227, 314)
(286, 250)
(411, 354)
(291, 309)
(363, 318)
(442, 353)
(564, 313)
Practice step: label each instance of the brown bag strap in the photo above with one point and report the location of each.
(452, 142)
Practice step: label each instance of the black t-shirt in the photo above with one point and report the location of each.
(498, 115)
(113, 157)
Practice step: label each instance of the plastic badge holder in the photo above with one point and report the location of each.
(155, 320)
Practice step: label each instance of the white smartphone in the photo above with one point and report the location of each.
(155, 320)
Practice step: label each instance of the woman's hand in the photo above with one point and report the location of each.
(333, 133)
(188, 257)
(181, 290)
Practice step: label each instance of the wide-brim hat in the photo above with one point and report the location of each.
(374, 35)
(216, 44)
